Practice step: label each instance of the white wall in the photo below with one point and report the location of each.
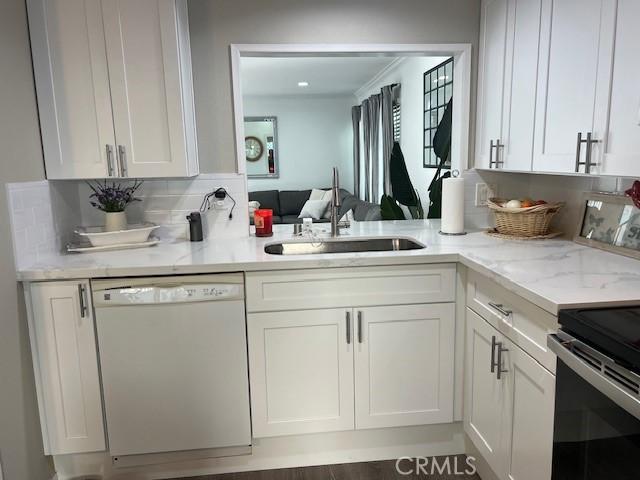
(215, 25)
(408, 72)
(314, 135)
(21, 450)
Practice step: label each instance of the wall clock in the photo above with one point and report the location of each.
(253, 148)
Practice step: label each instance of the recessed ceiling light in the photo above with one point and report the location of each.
(303, 84)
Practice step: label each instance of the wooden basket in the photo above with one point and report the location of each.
(523, 222)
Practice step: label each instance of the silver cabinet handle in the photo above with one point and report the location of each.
(500, 370)
(500, 308)
(588, 154)
(587, 160)
(348, 318)
(493, 353)
(110, 166)
(497, 162)
(122, 160)
(82, 294)
(491, 147)
(578, 147)
(359, 326)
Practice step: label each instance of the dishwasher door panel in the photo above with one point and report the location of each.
(174, 376)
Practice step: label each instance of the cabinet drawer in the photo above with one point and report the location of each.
(524, 323)
(348, 287)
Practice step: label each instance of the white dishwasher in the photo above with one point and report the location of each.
(173, 355)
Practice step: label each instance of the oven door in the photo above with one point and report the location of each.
(597, 415)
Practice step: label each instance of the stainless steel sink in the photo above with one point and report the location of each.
(380, 244)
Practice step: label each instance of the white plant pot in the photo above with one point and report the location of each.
(115, 221)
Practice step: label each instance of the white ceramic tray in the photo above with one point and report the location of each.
(137, 233)
(87, 248)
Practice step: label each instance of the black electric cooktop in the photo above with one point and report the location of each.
(613, 331)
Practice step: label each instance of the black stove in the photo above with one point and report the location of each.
(597, 408)
(613, 331)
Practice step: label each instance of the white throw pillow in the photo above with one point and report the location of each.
(327, 197)
(314, 209)
(316, 194)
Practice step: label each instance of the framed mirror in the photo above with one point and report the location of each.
(609, 222)
(261, 146)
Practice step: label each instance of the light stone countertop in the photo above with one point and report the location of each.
(553, 274)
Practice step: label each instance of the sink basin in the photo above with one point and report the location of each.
(380, 244)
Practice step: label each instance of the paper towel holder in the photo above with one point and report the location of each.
(454, 174)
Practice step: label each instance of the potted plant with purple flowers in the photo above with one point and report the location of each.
(113, 200)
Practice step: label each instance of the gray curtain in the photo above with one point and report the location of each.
(355, 120)
(389, 94)
(366, 138)
(374, 110)
(374, 156)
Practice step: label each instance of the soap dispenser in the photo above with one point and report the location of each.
(195, 226)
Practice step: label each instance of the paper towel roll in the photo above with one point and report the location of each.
(452, 205)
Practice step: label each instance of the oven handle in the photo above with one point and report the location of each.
(594, 377)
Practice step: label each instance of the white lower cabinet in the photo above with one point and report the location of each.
(508, 419)
(339, 369)
(301, 371)
(63, 345)
(404, 365)
(529, 423)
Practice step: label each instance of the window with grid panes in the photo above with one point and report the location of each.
(438, 90)
(396, 121)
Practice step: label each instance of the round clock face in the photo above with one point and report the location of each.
(253, 148)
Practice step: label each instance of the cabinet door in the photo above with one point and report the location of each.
(485, 396)
(66, 364)
(150, 74)
(521, 75)
(493, 37)
(529, 425)
(622, 147)
(301, 371)
(72, 83)
(404, 359)
(574, 74)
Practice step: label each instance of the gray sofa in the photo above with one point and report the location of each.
(287, 205)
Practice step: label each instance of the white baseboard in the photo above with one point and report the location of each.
(285, 452)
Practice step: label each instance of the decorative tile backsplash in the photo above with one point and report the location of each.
(168, 202)
(44, 214)
(31, 212)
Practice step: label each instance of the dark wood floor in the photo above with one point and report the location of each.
(383, 470)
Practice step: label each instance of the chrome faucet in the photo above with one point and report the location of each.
(335, 204)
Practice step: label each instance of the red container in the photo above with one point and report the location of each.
(263, 220)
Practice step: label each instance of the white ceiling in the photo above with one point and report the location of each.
(326, 75)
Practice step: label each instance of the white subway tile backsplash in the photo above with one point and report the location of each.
(45, 214)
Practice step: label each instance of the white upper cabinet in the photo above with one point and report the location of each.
(575, 67)
(622, 143)
(509, 43)
(72, 83)
(493, 36)
(557, 86)
(147, 44)
(114, 87)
